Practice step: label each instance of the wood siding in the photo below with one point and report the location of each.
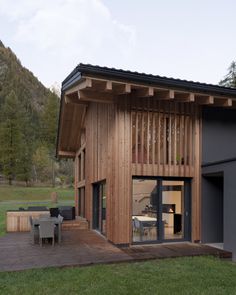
(138, 137)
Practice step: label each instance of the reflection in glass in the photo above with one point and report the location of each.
(103, 201)
(173, 209)
(144, 216)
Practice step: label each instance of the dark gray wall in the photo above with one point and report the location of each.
(212, 213)
(219, 144)
(218, 134)
(229, 208)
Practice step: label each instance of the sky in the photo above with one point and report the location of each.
(186, 39)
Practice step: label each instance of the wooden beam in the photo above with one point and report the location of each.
(184, 96)
(74, 100)
(222, 102)
(144, 92)
(204, 99)
(72, 90)
(66, 154)
(108, 86)
(164, 94)
(95, 96)
(120, 89)
(86, 84)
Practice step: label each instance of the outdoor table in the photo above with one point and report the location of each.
(56, 221)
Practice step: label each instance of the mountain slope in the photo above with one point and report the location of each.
(13, 76)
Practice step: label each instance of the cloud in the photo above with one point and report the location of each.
(65, 32)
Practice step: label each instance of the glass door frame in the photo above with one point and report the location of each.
(187, 209)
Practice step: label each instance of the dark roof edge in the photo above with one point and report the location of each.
(218, 162)
(76, 74)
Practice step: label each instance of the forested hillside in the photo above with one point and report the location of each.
(28, 124)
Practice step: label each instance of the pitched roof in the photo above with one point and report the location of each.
(119, 74)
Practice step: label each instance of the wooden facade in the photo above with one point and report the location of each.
(118, 129)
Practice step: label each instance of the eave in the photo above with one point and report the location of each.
(88, 84)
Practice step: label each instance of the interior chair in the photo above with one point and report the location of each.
(137, 227)
(46, 230)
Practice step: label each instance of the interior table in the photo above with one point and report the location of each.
(142, 223)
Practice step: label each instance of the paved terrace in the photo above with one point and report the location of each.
(84, 247)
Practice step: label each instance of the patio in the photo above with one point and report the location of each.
(85, 247)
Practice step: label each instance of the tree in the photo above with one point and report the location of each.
(49, 128)
(230, 78)
(49, 121)
(24, 168)
(10, 136)
(42, 163)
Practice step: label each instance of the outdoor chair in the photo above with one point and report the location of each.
(68, 212)
(60, 218)
(54, 212)
(46, 230)
(58, 227)
(34, 232)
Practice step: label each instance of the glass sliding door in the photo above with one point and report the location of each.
(173, 209)
(144, 216)
(99, 207)
(161, 209)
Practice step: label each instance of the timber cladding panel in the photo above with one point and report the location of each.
(139, 137)
(108, 143)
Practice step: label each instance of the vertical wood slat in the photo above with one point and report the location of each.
(191, 141)
(136, 137)
(164, 139)
(185, 138)
(153, 137)
(142, 138)
(128, 175)
(159, 138)
(147, 132)
(180, 138)
(175, 138)
(170, 140)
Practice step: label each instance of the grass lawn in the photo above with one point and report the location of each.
(15, 193)
(15, 197)
(197, 275)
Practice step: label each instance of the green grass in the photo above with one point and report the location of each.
(14, 197)
(8, 193)
(185, 276)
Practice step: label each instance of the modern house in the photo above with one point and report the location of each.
(155, 157)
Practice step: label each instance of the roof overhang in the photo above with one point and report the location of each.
(97, 84)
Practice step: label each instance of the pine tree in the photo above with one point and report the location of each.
(230, 78)
(49, 121)
(10, 136)
(49, 129)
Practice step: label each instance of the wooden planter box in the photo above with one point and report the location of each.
(18, 221)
